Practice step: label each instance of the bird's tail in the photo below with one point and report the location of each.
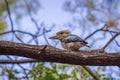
(87, 46)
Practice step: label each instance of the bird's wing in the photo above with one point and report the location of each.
(74, 38)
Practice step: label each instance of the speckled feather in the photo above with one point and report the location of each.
(73, 38)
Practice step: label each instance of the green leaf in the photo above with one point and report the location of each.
(2, 26)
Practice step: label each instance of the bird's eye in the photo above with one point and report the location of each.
(61, 33)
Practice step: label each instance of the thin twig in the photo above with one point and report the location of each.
(110, 41)
(10, 18)
(44, 30)
(35, 38)
(95, 32)
(91, 73)
(116, 41)
(30, 14)
(8, 10)
(24, 70)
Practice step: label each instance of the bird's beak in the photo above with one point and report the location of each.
(54, 37)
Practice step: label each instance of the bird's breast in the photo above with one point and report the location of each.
(71, 46)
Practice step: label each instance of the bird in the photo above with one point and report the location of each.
(69, 41)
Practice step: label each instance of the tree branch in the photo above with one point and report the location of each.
(51, 54)
(18, 61)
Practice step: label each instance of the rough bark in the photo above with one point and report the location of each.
(45, 53)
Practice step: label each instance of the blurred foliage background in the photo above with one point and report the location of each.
(34, 21)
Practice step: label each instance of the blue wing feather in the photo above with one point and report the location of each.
(73, 38)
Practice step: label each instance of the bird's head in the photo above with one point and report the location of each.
(61, 34)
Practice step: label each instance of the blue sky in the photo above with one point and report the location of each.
(52, 12)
